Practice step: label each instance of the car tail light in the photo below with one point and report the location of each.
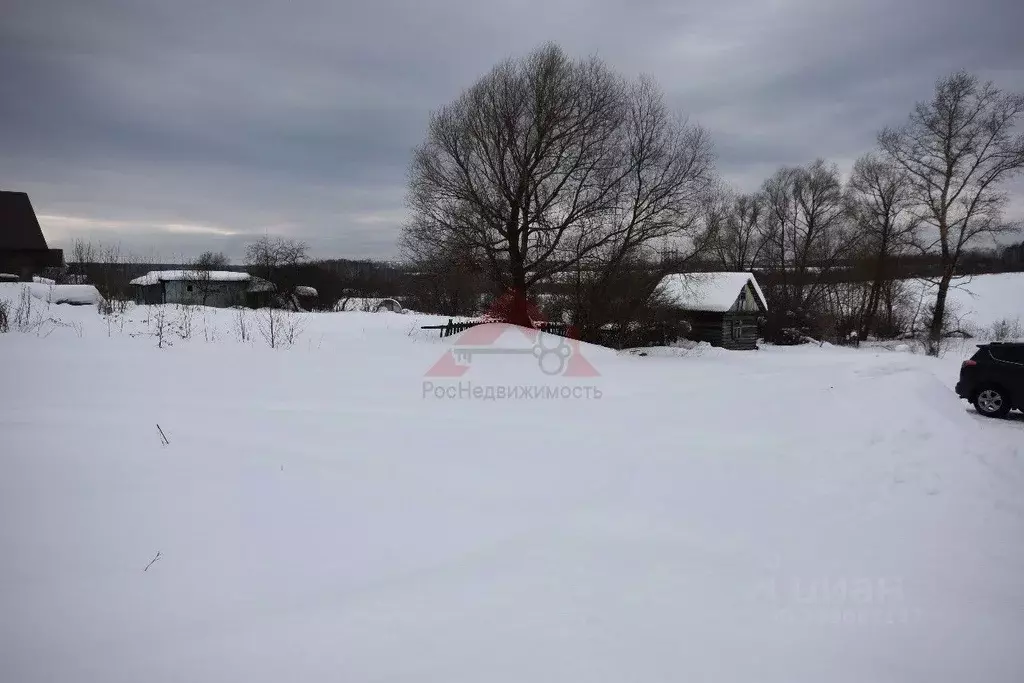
(969, 364)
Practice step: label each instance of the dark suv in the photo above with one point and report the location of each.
(993, 379)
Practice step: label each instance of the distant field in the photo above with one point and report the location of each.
(981, 301)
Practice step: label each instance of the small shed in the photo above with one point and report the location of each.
(217, 288)
(723, 309)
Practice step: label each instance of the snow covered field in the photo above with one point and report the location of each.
(980, 301)
(801, 514)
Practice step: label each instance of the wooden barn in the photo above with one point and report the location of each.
(221, 289)
(23, 249)
(723, 309)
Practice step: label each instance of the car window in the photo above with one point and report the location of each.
(1008, 354)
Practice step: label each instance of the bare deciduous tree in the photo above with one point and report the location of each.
(276, 259)
(82, 254)
(210, 260)
(807, 236)
(880, 200)
(547, 163)
(957, 149)
(737, 227)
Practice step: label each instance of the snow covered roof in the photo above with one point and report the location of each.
(714, 292)
(54, 294)
(258, 284)
(156, 276)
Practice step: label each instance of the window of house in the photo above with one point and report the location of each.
(188, 288)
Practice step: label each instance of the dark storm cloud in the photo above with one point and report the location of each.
(179, 126)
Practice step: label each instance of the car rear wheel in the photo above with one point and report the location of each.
(992, 402)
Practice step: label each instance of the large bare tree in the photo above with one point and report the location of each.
(737, 226)
(807, 236)
(881, 203)
(277, 259)
(549, 163)
(958, 148)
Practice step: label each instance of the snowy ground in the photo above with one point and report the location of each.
(981, 301)
(802, 514)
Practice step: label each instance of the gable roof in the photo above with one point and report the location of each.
(154, 277)
(19, 228)
(712, 292)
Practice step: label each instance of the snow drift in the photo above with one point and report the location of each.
(79, 295)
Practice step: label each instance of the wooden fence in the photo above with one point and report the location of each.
(452, 328)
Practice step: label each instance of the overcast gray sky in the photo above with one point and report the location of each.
(175, 126)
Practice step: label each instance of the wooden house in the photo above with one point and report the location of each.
(723, 309)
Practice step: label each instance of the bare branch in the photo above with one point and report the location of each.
(957, 149)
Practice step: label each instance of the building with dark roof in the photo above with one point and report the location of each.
(23, 249)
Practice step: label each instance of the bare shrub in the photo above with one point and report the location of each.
(1006, 330)
(954, 327)
(161, 326)
(210, 333)
(23, 316)
(186, 317)
(113, 311)
(269, 323)
(293, 328)
(241, 321)
(73, 325)
(23, 311)
(279, 328)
